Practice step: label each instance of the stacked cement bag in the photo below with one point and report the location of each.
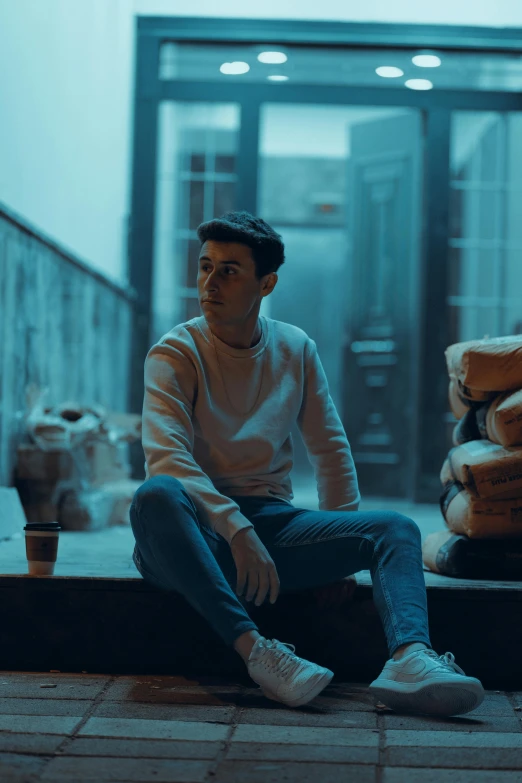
(482, 476)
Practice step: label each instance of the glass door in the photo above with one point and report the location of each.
(343, 186)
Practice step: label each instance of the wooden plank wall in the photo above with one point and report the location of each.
(62, 326)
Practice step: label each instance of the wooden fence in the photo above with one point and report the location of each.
(63, 326)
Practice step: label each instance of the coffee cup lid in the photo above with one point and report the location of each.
(42, 526)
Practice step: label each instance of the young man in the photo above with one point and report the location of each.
(221, 394)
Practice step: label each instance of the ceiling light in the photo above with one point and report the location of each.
(389, 71)
(426, 60)
(234, 68)
(419, 84)
(278, 78)
(272, 58)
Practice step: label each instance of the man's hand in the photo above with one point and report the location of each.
(254, 565)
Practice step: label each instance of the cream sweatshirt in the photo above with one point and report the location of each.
(216, 447)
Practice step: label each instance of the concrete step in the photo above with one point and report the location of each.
(97, 614)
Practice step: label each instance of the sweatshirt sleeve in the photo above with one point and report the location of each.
(168, 437)
(325, 439)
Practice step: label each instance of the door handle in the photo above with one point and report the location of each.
(373, 346)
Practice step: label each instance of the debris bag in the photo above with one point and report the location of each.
(454, 555)
(486, 470)
(59, 427)
(100, 461)
(469, 516)
(97, 508)
(89, 442)
(488, 366)
(501, 420)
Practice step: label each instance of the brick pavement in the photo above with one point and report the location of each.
(83, 727)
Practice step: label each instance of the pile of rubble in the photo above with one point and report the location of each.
(73, 465)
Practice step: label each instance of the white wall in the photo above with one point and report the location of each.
(67, 70)
(65, 114)
(502, 13)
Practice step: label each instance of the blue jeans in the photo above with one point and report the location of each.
(309, 548)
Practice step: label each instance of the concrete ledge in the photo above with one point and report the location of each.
(125, 626)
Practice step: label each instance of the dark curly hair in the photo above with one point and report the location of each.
(266, 244)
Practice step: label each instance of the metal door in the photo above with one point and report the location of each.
(380, 346)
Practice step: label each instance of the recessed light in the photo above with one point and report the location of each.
(277, 78)
(419, 84)
(272, 58)
(389, 71)
(426, 60)
(234, 68)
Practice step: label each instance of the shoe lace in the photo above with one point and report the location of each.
(445, 662)
(282, 661)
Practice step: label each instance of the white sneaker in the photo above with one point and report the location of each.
(429, 683)
(283, 676)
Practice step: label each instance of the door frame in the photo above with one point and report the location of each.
(150, 90)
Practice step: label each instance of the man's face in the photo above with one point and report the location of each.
(227, 274)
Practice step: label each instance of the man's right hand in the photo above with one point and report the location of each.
(255, 566)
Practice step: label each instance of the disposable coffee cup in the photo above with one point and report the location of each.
(41, 547)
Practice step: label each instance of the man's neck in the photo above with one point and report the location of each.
(235, 341)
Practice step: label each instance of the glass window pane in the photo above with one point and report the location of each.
(224, 197)
(485, 237)
(475, 211)
(192, 263)
(197, 162)
(341, 65)
(192, 309)
(194, 140)
(225, 164)
(197, 203)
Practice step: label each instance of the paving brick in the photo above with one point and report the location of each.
(20, 768)
(336, 754)
(405, 775)
(141, 748)
(155, 729)
(68, 686)
(431, 723)
(356, 701)
(347, 687)
(352, 702)
(287, 771)
(20, 706)
(170, 690)
(493, 704)
(452, 739)
(288, 717)
(29, 743)
(304, 735)
(472, 758)
(108, 769)
(39, 723)
(185, 712)
(517, 698)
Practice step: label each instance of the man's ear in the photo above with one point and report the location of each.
(268, 281)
